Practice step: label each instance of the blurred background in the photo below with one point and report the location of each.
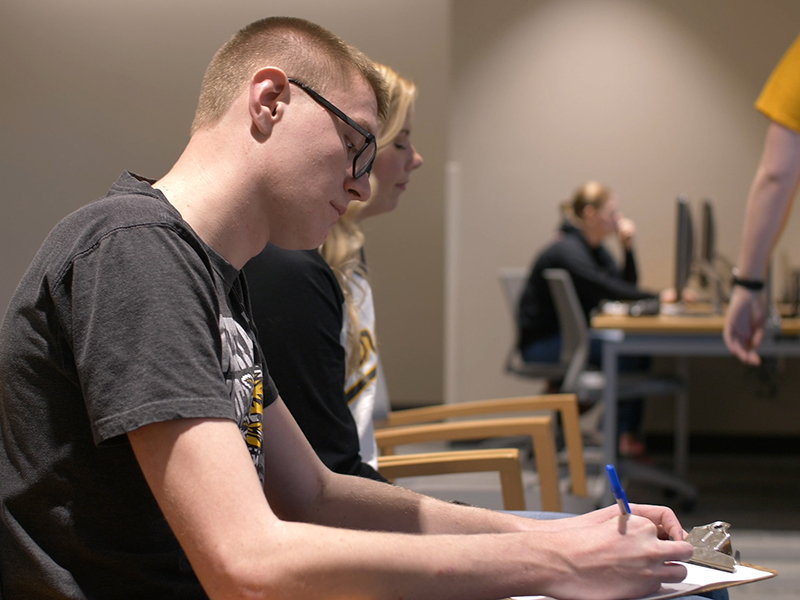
(520, 102)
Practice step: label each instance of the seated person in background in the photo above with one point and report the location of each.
(316, 319)
(591, 217)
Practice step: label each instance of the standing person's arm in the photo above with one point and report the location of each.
(768, 208)
(241, 543)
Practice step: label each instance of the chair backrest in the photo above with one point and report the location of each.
(572, 323)
(513, 280)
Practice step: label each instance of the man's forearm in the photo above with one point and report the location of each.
(202, 476)
(320, 562)
(608, 556)
(358, 503)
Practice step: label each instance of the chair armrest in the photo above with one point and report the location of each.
(503, 460)
(540, 430)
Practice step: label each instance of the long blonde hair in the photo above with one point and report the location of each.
(342, 248)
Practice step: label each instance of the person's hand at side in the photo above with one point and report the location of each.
(744, 324)
(619, 556)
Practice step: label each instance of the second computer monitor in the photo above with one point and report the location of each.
(707, 250)
(684, 257)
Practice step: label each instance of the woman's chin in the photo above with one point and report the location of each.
(392, 205)
(380, 206)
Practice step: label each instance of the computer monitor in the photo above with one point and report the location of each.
(708, 251)
(684, 246)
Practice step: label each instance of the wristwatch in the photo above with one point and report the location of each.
(754, 285)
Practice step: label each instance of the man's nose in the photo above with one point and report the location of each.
(358, 189)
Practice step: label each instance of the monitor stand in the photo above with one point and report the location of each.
(713, 277)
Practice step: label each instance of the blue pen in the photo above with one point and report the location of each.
(619, 493)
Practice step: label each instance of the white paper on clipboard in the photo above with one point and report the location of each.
(697, 579)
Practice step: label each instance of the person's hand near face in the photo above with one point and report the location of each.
(626, 232)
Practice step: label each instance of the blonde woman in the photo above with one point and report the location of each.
(592, 216)
(315, 316)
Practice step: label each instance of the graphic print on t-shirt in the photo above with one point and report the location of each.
(367, 366)
(245, 381)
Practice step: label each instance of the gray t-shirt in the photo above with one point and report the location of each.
(124, 318)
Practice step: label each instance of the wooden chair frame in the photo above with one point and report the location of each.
(565, 404)
(539, 429)
(503, 460)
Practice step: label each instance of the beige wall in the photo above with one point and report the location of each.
(653, 98)
(91, 87)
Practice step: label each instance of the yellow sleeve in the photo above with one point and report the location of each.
(780, 98)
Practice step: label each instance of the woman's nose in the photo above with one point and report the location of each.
(416, 159)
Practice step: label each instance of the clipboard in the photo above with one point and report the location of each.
(708, 540)
(698, 579)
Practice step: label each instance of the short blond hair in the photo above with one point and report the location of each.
(302, 49)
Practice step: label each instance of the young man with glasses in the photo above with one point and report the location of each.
(144, 451)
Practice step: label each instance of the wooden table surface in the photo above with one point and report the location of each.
(678, 324)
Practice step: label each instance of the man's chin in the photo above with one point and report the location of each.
(306, 242)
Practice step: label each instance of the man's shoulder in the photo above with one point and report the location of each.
(779, 99)
(129, 202)
(127, 207)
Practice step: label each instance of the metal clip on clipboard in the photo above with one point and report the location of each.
(712, 547)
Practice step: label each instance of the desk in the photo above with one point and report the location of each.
(681, 336)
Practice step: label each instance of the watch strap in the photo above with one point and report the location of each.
(754, 285)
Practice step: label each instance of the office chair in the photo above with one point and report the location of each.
(513, 280)
(588, 384)
(571, 363)
(436, 423)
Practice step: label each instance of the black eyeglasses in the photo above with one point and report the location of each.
(362, 162)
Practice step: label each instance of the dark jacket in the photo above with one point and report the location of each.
(596, 277)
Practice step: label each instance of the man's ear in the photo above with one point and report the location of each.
(267, 100)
